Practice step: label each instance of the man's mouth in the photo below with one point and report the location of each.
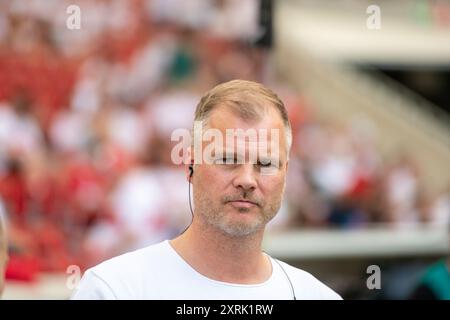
(242, 203)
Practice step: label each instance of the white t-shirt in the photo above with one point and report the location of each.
(158, 272)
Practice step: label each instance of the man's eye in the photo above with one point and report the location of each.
(229, 160)
(265, 164)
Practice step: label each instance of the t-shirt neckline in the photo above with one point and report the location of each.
(223, 283)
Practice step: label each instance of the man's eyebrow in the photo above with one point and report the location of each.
(233, 155)
(229, 152)
(222, 153)
(227, 155)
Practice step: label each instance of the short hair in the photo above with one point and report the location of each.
(247, 99)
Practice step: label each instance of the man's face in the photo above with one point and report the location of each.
(240, 198)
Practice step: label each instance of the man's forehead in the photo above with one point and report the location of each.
(224, 119)
(243, 134)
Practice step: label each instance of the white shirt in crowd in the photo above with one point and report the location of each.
(158, 272)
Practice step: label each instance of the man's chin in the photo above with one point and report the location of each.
(240, 229)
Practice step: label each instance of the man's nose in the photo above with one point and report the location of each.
(245, 177)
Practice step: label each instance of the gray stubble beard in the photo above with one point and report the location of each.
(214, 217)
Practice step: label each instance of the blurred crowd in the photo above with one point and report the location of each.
(86, 118)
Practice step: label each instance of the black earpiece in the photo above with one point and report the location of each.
(191, 170)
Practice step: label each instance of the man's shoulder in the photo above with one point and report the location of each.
(122, 277)
(130, 263)
(302, 279)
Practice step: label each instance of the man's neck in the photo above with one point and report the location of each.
(222, 257)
